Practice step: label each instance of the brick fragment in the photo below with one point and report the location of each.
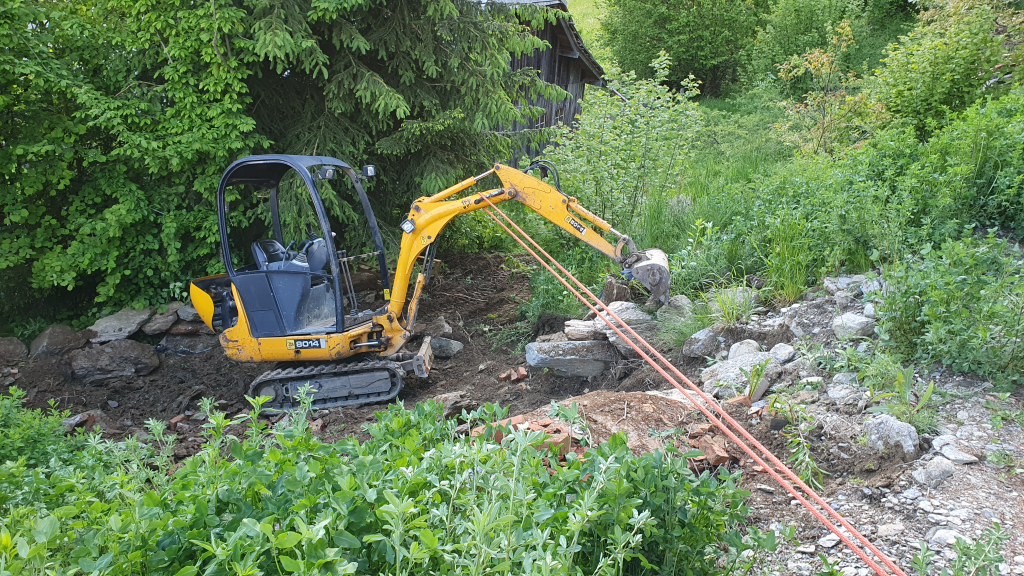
(521, 371)
(173, 424)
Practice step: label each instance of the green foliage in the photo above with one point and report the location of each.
(754, 376)
(32, 436)
(979, 558)
(703, 37)
(413, 499)
(907, 403)
(795, 27)
(117, 119)
(796, 432)
(959, 54)
(959, 304)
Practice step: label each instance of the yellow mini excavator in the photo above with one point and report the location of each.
(298, 307)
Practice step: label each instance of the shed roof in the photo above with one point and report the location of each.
(579, 50)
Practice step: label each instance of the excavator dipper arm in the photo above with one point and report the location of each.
(429, 215)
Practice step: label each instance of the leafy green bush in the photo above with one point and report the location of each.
(796, 27)
(960, 304)
(958, 55)
(414, 499)
(703, 37)
(32, 435)
(118, 118)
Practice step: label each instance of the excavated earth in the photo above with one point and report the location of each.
(479, 296)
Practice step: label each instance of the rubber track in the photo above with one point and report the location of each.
(301, 374)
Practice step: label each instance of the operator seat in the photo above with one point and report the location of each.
(267, 251)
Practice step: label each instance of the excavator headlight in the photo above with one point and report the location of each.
(408, 226)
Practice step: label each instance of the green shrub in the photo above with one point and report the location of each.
(960, 304)
(703, 37)
(32, 435)
(955, 57)
(796, 27)
(414, 499)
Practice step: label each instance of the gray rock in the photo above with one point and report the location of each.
(911, 494)
(934, 473)
(185, 344)
(851, 325)
(874, 286)
(805, 397)
(828, 541)
(579, 330)
(121, 325)
(956, 456)
(707, 342)
(114, 359)
(454, 403)
(648, 332)
(56, 340)
(445, 347)
(742, 348)
(188, 313)
(843, 283)
(615, 291)
(841, 391)
(810, 319)
(728, 374)
(887, 434)
(628, 312)
(782, 352)
(12, 350)
(161, 323)
(584, 359)
(869, 311)
(845, 379)
(946, 538)
(940, 441)
(843, 298)
(678, 308)
(439, 328)
(889, 530)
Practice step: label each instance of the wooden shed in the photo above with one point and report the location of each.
(567, 64)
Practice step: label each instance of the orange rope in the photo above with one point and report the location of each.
(718, 423)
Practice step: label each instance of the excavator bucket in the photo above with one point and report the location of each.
(650, 267)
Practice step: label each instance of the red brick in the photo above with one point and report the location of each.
(173, 424)
(522, 372)
(506, 375)
(559, 442)
(544, 422)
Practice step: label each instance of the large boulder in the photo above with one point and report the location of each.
(12, 350)
(886, 434)
(187, 313)
(114, 359)
(810, 319)
(705, 343)
(162, 322)
(445, 347)
(628, 312)
(182, 327)
(56, 340)
(678, 308)
(852, 325)
(121, 325)
(583, 359)
(184, 344)
(580, 330)
(648, 332)
(726, 379)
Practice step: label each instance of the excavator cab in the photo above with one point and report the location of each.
(292, 286)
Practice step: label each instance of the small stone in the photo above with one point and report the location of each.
(956, 456)
(438, 328)
(869, 311)
(926, 506)
(678, 308)
(805, 397)
(161, 323)
(812, 380)
(889, 530)
(743, 348)
(911, 494)
(841, 391)
(845, 378)
(946, 538)
(112, 403)
(782, 352)
(806, 549)
(839, 283)
(704, 343)
(934, 473)
(828, 541)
